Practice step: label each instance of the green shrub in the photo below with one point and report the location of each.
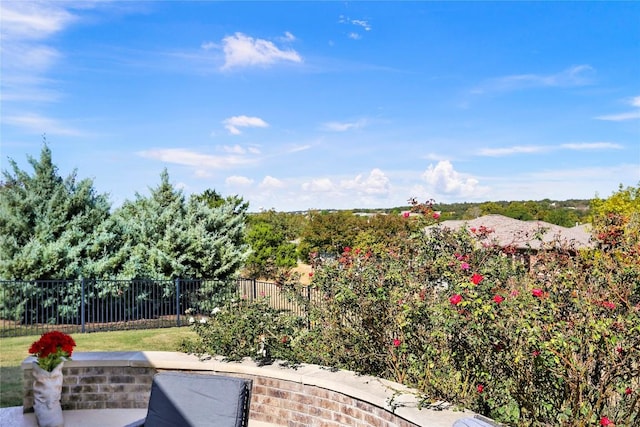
(554, 341)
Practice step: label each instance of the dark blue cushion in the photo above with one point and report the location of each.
(198, 400)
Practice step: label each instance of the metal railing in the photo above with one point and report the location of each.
(35, 307)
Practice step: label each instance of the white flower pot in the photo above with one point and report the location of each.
(47, 391)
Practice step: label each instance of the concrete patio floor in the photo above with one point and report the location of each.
(13, 417)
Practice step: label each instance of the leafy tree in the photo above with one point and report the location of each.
(329, 233)
(47, 222)
(271, 240)
(616, 220)
(562, 217)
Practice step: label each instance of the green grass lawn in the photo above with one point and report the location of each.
(13, 351)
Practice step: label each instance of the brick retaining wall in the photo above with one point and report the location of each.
(296, 397)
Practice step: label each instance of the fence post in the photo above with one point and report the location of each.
(82, 304)
(308, 309)
(177, 301)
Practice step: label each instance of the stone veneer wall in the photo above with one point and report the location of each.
(297, 397)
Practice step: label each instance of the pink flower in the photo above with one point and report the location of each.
(396, 342)
(347, 249)
(609, 305)
(537, 292)
(536, 353)
(473, 229)
(480, 388)
(464, 266)
(455, 299)
(476, 278)
(514, 293)
(406, 214)
(605, 421)
(498, 299)
(436, 215)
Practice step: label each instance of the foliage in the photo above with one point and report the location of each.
(164, 236)
(52, 348)
(327, 233)
(270, 236)
(247, 329)
(47, 222)
(552, 341)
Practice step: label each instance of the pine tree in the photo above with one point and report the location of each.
(164, 237)
(46, 222)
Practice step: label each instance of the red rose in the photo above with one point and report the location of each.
(476, 278)
(609, 305)
(537, 292)
(498, 299)
(605, 421)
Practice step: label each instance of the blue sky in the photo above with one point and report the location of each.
(313, 105)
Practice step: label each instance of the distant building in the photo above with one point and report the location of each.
(524, 236)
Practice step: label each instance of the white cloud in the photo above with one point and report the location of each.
(443, 179)
(239, 181)
(578, 75)
(26, 57)
(233, 149)
(631, 115)
(270, 182)
(628, 115)
(584, 146)
(204, 162)
(376, 183)
(233, 123)
(344, 126)
(32, 20)
(241, 50)
(38, 124)
(533, 149)
(507, 151)
(320, 185)
(362, 23)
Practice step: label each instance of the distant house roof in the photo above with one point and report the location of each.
(507, 231)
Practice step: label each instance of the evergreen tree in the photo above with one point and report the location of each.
(47, 222)
(163, 236)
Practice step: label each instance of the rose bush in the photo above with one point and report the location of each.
(544, 338)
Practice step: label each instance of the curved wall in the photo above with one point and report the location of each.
(305, 395)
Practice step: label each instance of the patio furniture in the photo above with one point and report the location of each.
(180, 399)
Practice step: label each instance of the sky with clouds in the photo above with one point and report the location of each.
(319, 105)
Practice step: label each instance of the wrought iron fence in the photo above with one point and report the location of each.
(34, 307)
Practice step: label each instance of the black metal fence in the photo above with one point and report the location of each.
(34, 307)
